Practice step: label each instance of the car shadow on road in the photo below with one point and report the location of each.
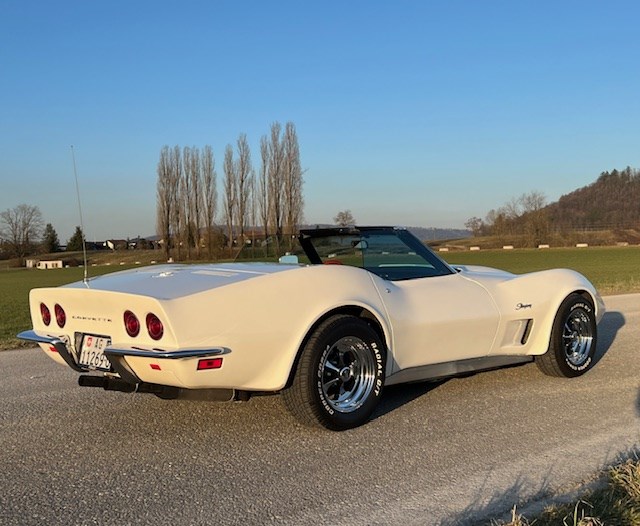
(530, 497)
(395, 396)
(492, 509)
(608, 329)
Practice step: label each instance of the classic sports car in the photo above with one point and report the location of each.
(368, 307)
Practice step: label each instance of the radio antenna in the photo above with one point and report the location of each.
(84, 244)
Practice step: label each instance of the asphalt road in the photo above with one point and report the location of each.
(458, 452)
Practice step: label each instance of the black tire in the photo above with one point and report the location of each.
(573, 341)
(340, 375)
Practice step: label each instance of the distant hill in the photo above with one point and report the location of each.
(611, 202)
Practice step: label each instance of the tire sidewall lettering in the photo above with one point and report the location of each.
(319, 373)
(580, 305)
(377, 388)
(579, 368)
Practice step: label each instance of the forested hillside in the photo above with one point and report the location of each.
(608, 210)
(612, 201)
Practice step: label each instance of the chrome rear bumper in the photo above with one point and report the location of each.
(117, 357)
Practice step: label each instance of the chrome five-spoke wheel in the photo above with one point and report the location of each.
(577, 337)
(348, 374)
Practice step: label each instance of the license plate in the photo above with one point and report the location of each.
(92, 352)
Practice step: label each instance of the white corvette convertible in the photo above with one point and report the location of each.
(369, 307)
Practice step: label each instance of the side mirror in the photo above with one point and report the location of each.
(288, 259)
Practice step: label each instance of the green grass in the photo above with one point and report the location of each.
(613, 270)
(15, 285)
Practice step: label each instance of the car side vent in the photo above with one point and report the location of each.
(527, 332)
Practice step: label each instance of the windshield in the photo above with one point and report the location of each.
(392, 254)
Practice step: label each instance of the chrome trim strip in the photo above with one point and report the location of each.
(168, 355)
(55, 342)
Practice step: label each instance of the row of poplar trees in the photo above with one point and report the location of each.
(267, 204)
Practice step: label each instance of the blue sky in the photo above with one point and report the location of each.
(410, 113)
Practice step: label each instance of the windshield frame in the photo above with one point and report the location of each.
(432, 260)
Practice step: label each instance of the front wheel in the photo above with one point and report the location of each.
(572, 345)
(340, 375)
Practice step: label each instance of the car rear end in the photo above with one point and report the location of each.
(118, 335)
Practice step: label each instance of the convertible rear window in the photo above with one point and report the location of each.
(392, 255)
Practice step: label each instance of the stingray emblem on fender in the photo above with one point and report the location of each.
(521, 306)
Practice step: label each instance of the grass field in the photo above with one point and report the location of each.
(15, 285)
(612, 271)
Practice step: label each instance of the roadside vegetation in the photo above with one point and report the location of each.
(615, 502)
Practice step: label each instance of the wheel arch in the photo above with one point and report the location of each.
(359, 311)
(595, 300)
(539, 344)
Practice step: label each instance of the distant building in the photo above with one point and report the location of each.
(57, 263)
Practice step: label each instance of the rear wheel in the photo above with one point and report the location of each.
(573, 339)
(340, 375)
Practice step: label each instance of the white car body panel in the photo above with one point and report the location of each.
(424, 330)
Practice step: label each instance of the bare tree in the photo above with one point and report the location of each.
(20, 227)
(475, 224)
(292, 182)
(263, 188)
(533, 201)
(524, 215)
(209, 193)
(191, 198)
(344, 218)
(186, 194)
(175, 162)
(275, 182)
(253, 214)
(229, 193)
(164, 199)
(535, 217)
(242, 168)
(196, 197)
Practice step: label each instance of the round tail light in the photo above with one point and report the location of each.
(46, 314)
(61, 316)
(154, 326)
(131, 324)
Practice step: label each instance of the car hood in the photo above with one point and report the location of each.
(480, 273)
(174, 281)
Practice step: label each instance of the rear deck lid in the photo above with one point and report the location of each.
(174, 281)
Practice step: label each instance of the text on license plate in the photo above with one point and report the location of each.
(92, 352)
